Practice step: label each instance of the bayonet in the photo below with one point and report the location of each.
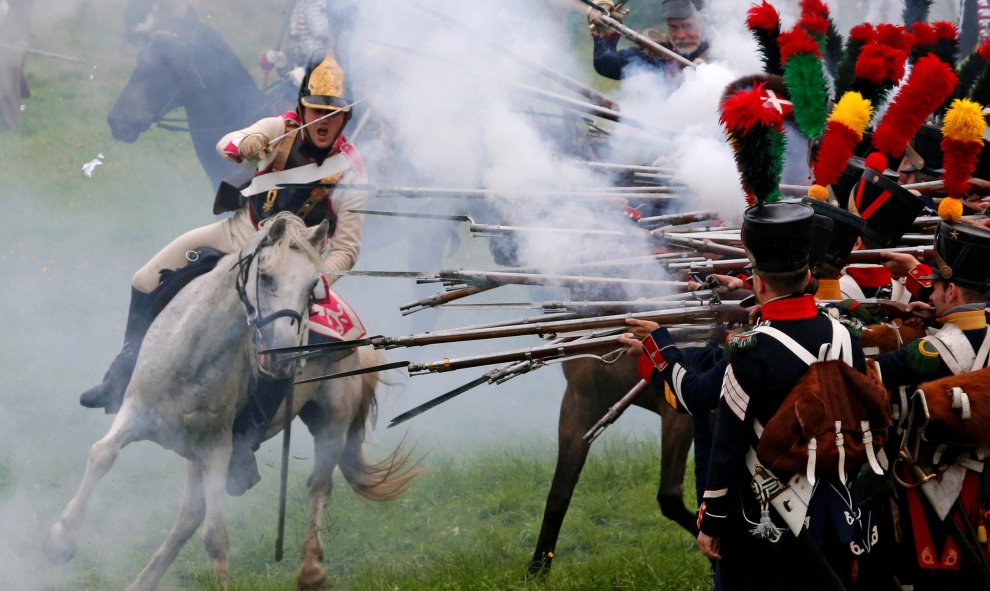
(357, 372)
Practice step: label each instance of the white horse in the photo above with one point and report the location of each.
(191, 380)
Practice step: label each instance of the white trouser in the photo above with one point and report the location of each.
(228, 235)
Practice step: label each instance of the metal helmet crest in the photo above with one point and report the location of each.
(323, 86)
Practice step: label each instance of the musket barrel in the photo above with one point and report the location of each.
(531, 354)
(686, 314)
(700, 245)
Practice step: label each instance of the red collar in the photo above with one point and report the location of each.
(869, 276)
(790, 308)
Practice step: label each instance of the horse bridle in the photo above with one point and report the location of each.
(254, 318)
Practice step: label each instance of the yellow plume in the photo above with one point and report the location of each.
(964, 121)
(853, 111)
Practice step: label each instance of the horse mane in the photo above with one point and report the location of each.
(296, 237)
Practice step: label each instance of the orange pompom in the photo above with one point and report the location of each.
(950, 209)
(818, 192)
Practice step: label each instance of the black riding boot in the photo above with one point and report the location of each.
(265, 395)
(110, 394)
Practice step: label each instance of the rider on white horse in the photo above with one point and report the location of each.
(331, 160)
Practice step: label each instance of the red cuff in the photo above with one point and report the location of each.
(747, 281)
(633, 213)
(230, 151)
(914, 282)
(645, 367)
(652, 351)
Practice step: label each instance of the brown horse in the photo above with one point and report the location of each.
(591, 389)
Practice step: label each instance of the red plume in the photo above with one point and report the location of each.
(815, 24)
(742, 111)
(959, 159)
(864, 33)
(763, 16)
(930, 83)
(923, 34)
(796, 41)
(945, 30)
(835, 149)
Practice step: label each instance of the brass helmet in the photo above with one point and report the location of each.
(323, 85)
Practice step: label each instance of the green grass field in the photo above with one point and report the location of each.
(467, 523)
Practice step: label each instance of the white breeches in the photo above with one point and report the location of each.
(228, 235)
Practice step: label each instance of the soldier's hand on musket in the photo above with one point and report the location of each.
(898, 263)
(594, 16)
(253, 147)
(638, 330)
(921, 314)
(708, 546)
(754, 313)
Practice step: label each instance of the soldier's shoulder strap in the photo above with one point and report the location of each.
(955, 349)
(285, 146)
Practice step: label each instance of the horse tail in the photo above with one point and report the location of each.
(390, 478)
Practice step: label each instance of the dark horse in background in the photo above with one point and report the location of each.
(185, 63)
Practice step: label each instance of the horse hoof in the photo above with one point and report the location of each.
(57, 547)
(311, 577)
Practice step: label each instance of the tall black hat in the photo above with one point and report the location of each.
(778, 236)
(840, 240)
(925, 154)
(888, 209)
(961, 254)
(850, 178)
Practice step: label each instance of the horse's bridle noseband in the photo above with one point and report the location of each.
(252, 313)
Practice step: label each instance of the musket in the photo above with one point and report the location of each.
(505, 373)
(490, 229)
(700, 245)
(456, 279)
(496, 376)
(653, 194)
(802, 190)
(450, 296)
(441, 298)
(555, 352)
(44, 53)
(673, 219)
(434, 277)
(630, 167)
(592, 307)
(555, 75)
(639, 39)
(587, 108)
(487, 278)
(700, 312)
(856, 257)
(616, 410)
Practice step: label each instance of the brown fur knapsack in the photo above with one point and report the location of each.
(833, 421)
(954, 410)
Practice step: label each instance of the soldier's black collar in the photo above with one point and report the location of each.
(798, 307)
